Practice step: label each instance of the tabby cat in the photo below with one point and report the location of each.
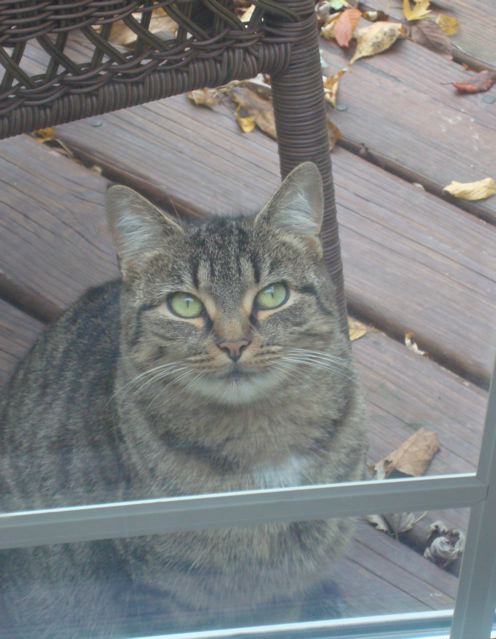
(215, 364)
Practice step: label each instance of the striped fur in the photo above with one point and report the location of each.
(120, 399)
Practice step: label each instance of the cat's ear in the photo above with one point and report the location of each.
(298, 206)
(137, 226)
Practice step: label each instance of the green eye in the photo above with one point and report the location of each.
(185, 305)
(272, 296)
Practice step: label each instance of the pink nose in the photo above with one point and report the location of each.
(234, 348)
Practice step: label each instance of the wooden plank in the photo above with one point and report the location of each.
(412, 261)
(17, 333)
(54, 236)
(415, 123)
(477, 22)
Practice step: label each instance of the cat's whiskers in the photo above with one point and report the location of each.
(318, 359)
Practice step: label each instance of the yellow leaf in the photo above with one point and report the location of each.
(479, 190)
(253, 110)
(246, 122)
(331, 86)
(449, 24)
(356, 329)
(246, 15)
(204, 97)
(45, 135)
(419, 12)
(377, 38)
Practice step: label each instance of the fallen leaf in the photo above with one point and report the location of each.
(449, 24)
(375, 16)
(411, 344)
(345, 26)
(246, 15)
(412, 457)
(430, 35)
(479, 190)
(253, 110)
(204, 97)
(328, 30)
(402, 522)
(246, 122)
(479, 83)
(378, 522)
(331, 85)
(45, 135)
(161, 25)
(377, 38)
(445, 545)
(419, 11)
(333, 133)
(322, 11)
(356, 329)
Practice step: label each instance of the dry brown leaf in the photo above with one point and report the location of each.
(479, 190)
(328, 30)
(412, 345)
(412, 457)
(378, 522)
(333, 133)
(331, 86)
(419, 11)
(449, 24)
(251, 108)
(346, 25)
(479, 83)
(402, 522)
(377, 38)
(161, 25)
(204, 97)
(430, 35)
(444, 545)
(356, 329)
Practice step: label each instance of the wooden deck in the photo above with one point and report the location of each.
(415, 260)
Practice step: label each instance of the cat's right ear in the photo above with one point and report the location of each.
(138, 227)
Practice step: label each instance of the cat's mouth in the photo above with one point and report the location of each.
(237, 374)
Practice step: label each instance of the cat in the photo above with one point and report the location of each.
(216, 363)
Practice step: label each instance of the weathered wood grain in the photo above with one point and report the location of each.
(476, 37)
(400, 109)
(17, 333)
(54, 241)
(412, 261)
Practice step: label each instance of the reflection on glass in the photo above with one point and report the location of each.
(297, 572)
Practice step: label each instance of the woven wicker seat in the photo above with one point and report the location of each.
(210, 46)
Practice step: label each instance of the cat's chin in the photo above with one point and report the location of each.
(238, 388)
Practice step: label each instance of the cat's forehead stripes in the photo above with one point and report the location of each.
(225, 259)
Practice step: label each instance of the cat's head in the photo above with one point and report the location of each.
(233, 308)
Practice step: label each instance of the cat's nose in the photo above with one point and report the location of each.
(234, 348)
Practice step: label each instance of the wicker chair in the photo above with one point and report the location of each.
(212, 46)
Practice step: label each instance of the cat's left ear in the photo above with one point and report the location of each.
(298, 206)
(138, 227)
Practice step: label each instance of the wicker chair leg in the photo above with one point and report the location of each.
(300, 114)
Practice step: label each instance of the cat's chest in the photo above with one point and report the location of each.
(292, 471)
